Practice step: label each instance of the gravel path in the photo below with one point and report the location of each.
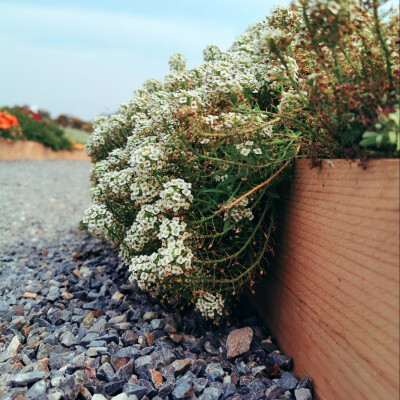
(39, 199)
(72, 328)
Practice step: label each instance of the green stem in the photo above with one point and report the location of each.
(243, 248)
(383, 43)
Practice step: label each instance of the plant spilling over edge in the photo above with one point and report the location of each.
(185, 176)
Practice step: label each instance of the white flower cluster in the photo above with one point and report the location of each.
(118, 159)
(147, 157)
(220, 178)
(144, 228)
(108, 134)
(171, 228)
(173, 258)
(239, 211)
(144, 190)
(97, 219)
(247, 147)
(98, 170)
(176, 195)
(115, 184)
(143, 270)
(177, 62)
(210, 305)
(212, 53)
(290, 100)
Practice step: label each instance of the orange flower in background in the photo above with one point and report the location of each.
(7, 120)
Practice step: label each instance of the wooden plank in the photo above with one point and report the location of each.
(331, 293)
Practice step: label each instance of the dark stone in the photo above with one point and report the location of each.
(241, 368)
(253, 395)
(150, 391)
(129, 352)
(52, 339)
(305, 383)
(129, 338)
(89, 337)
(97, 343)
(166, 389)
(192, 344)
(212, 393)
(168, 372)
(3, 308)
(71, 386)
(198, 367)
(134, 388)
(124, 372)
(268, 346)
(284, 362)
(287, 381)
(229, 389)
(105, 372)
(273, 392)
(182, 390)
(113, 387)
(56, 360)
(135, 315)
(209, 348)
(143, 363)
(163, 356)
(214, 372)
(245, 380)
(37, 390)
(157, 324)
(258, 385)
(110, 337)
(199, 384)
(23, 379)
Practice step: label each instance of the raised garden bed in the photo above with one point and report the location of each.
(331, 294)
(15, 150)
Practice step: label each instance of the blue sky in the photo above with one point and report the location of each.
(86, 57)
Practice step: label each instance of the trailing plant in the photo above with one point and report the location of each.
(185, 177)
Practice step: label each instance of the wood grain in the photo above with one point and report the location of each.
(331, 294)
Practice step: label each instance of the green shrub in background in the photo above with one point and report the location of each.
(45, 132)
(185, 177)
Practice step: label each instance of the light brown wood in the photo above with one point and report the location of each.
(25, 149)
(331, 294)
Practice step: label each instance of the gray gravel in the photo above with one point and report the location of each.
(73, 328)
(39, 199)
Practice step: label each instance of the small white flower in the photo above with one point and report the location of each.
(245, 152)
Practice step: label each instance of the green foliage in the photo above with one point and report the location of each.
(47, 133)
(386, 133)
(342, 59)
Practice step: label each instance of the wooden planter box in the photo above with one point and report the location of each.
(331, 294)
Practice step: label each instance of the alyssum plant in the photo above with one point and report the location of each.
(185, 176)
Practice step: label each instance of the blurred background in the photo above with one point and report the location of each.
(84, 58)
